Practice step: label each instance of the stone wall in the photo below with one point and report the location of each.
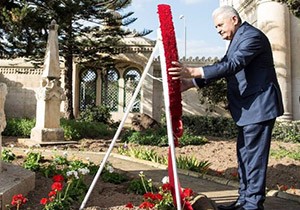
(21, 84)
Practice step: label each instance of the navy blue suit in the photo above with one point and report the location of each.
(255, 101)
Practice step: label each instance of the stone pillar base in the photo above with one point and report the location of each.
(47, 134)
(286, 116)
(14, 180)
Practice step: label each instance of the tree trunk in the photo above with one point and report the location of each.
(68, 88)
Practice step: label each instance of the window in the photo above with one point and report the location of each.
(87, 88)
(131, 78)
(110, 89)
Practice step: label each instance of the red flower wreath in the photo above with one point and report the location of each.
(171, 54)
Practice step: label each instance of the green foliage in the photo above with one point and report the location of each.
(226, 128)
(142, 153)
(158, 137)
(188, 138)
(32, 161)
(136, 187)
(95, 114)
(283, 152)
(141, 186)
(7, 155)
(196, 127)
(147, 137)
(192, 164)
(113, 177)
(287, 131)
(214, 94)
(183, 162)
(18, 127)
(61, 165)
(75, 130)
(211, 126)
(110, 175)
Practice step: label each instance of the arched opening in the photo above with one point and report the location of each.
(110, 89)
(131, 78)
(87, 89)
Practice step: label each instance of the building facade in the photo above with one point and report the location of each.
(113, 87)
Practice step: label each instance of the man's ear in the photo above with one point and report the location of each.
(235, 20)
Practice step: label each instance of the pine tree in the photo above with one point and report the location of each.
(89, 30)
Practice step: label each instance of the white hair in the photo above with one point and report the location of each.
(227, 12)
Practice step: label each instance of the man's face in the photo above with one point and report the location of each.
(226, 26)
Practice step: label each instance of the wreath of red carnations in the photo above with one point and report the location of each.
(171, 54)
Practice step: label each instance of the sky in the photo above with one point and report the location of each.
(201, 37)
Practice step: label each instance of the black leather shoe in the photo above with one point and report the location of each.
(234, 206)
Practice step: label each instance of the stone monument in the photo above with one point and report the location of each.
(49, 96)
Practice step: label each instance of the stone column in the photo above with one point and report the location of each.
(3, 92)
(274, 19)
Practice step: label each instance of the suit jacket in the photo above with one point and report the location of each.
(253, 91)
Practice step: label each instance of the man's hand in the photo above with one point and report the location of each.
(179, 71)
(186, 84)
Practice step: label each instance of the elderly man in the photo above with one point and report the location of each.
(254, 98)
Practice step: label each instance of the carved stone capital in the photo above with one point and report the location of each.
(50, 88)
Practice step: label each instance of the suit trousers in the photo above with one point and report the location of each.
(253, 147)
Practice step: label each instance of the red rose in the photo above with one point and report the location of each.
(129, 205)
(166, 187)
(57, 186)
(18, 200)
(44, 201)
(158, 197)
(146, 205)
(52, 193)
(187, 192)
(58, 178)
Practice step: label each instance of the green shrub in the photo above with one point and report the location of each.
(113, 177)
(18, 127)
(33, 161)
(95, 114)
(195, 127)
(146, 137)
(287, 131)
(192, 164)
(75, 130)
(282, 152)
(140, 186)
(7, 155)
(159, 137)
(210, 126)
(188, 138)
(226, 128)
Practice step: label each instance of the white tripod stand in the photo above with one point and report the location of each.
(158, 45)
